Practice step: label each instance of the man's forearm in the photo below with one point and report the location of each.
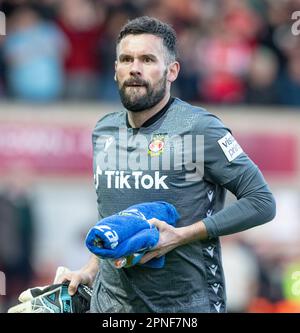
(255, 206)
(193, 232)
(171, 237)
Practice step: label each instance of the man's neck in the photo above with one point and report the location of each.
(137, 119)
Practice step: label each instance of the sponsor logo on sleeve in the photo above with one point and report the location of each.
(230, 147)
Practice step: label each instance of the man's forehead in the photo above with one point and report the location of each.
(143, 43)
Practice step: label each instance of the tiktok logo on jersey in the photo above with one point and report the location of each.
(137, 180)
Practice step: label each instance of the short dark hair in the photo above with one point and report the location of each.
(152, 26)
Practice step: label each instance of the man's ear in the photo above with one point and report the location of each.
(173, 71)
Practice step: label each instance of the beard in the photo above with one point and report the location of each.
(142, 96)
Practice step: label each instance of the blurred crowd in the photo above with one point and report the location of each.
(17, 234)
(231, 52)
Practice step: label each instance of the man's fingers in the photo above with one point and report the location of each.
(148, 256)
(158, 223)
(63, 278)
(154, 221)
(75, 281)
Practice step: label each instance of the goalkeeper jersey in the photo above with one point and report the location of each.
(183, 155)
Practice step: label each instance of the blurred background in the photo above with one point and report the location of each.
(240, 59)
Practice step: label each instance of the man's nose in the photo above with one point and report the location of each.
(136, 67)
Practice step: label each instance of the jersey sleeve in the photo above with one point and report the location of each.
(224, 158)
(226, 164)
(255, 206)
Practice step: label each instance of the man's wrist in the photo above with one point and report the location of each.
(92, 267)
(193, 232)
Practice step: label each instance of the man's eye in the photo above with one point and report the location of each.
(126, 59)
(148, 60)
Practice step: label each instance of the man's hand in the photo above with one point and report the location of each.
(171, 237)
(85, 275)
(55, 298)
(75, 278)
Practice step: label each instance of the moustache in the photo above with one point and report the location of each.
(135, 82)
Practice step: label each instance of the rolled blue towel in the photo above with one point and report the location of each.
(128, 232)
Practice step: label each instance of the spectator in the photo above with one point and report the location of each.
(187, 83)
(82, 25)
(16, 240)
(219, 36)
(262, 85)
(289, 83)
(224, 57)
(33, 51)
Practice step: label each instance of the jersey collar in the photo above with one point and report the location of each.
(155, 117)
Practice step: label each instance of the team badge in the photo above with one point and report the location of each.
(156, 146)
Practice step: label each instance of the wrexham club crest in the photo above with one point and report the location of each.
(156, 145)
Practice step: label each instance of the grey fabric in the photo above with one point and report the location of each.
(192, 279)
(256, 205)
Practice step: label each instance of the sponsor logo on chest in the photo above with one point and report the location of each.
(137, 180)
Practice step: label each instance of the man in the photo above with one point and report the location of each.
(162, 148)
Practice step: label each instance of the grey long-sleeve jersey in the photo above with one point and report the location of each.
(185, 156)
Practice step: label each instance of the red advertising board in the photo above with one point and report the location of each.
(67, 149)
(46, 148)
